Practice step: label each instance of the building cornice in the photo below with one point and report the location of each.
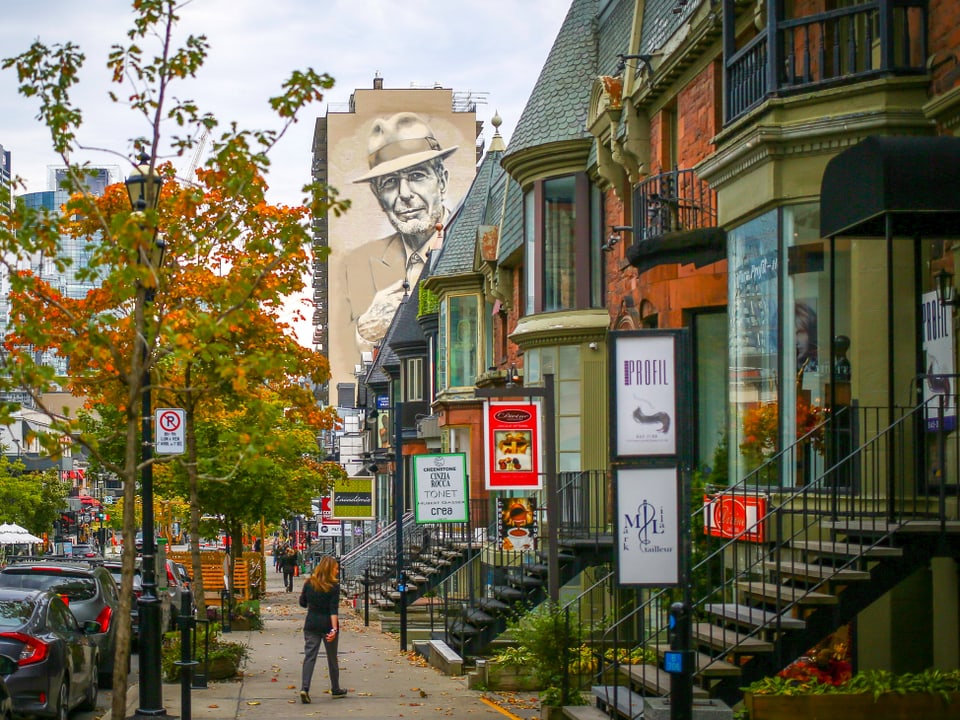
(561, 328)
(548, 160)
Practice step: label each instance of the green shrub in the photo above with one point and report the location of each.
(218, 649)
(875, 682)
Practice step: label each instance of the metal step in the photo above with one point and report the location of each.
(626, 702)
(719, 638)
(773, 593)
(707, 666)
(844, 549)
(752, 617)
(492, 606)
(816, 573)
(654, 679)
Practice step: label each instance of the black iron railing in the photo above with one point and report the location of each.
(844, 45)
(670, 202)
(895, 467)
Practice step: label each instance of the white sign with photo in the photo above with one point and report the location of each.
(645, 394)
(648, 526)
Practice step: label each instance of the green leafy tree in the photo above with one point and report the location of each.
(135, 319)
(32, 500)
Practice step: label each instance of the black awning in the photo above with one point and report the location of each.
(700, 247)
(913, 180)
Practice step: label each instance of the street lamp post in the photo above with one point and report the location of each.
(398, 517)
(143, 187)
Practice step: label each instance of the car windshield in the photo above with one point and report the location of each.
(14, 613)
(71, 586)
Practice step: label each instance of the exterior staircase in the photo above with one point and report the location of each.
(827, 550)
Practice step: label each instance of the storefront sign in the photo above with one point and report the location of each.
(517, 526)
(440, 488)
(512, 438)
(735, 516)
(644, 393)
(353, 499)
(648, 527)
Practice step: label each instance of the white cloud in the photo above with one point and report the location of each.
(495, 47)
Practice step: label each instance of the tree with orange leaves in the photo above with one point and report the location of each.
(199, 327)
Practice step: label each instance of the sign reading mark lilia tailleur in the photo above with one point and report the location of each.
(440, 487)
(353, 499)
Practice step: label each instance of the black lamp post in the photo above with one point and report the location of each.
(143, 186)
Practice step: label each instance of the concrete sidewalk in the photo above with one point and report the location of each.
(383, 681)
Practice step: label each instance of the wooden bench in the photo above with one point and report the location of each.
(213, 582)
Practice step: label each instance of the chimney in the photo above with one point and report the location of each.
(377, 82)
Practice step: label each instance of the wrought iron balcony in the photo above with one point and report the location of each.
(833, 47)
(671, 202)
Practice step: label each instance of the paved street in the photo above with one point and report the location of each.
(383, 682)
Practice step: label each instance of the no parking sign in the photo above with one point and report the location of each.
(170, 435)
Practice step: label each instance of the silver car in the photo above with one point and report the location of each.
(54, 658)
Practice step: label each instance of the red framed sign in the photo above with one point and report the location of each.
(512, 441)
(735, 516)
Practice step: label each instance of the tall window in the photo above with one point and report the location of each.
(563, 228)
(559, 243)
(413, 379)
(460, 345)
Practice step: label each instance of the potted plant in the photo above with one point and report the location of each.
(245, 615)
(221, 661)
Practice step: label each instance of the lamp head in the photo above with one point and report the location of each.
(143, 185)
(946, 293)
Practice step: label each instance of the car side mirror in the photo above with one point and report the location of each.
(8, 665)
(91, 627)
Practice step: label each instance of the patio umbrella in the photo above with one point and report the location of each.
(13, 534)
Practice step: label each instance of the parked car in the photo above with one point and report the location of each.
(115, 568)
(176, 587)
(89, 591)
(51, 661)
(7, 667)
(84, 550)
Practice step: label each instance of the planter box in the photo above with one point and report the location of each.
(509, 677)
(890, 706)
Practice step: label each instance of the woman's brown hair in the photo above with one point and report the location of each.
(326, 574)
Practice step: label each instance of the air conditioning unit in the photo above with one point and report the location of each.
(428, 427)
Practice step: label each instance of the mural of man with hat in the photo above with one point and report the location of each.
(408, 178)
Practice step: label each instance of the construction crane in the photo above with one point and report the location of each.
(195, 160)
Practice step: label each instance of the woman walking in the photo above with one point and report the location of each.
(321, 597)
(289, 563)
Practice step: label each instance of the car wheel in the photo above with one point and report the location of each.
(90, 698)
(63, 704)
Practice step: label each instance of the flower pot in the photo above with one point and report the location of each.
(889, 706)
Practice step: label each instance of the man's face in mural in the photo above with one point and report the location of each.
(413, 198)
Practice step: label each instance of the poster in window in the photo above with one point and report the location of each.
(517, 526)
(512, 437)
(939, 378)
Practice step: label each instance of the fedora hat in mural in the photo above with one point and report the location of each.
(398, 142)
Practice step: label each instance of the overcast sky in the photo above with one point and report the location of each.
(492, 48)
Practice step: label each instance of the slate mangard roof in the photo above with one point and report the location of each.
(460, 241)
(557, 108)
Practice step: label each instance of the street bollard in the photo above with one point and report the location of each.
(200, 676)
(366, 597)
(186, 662)
(225, 611)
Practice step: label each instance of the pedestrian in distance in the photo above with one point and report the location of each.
(278, 548)
(321, 597)
(289, 563)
